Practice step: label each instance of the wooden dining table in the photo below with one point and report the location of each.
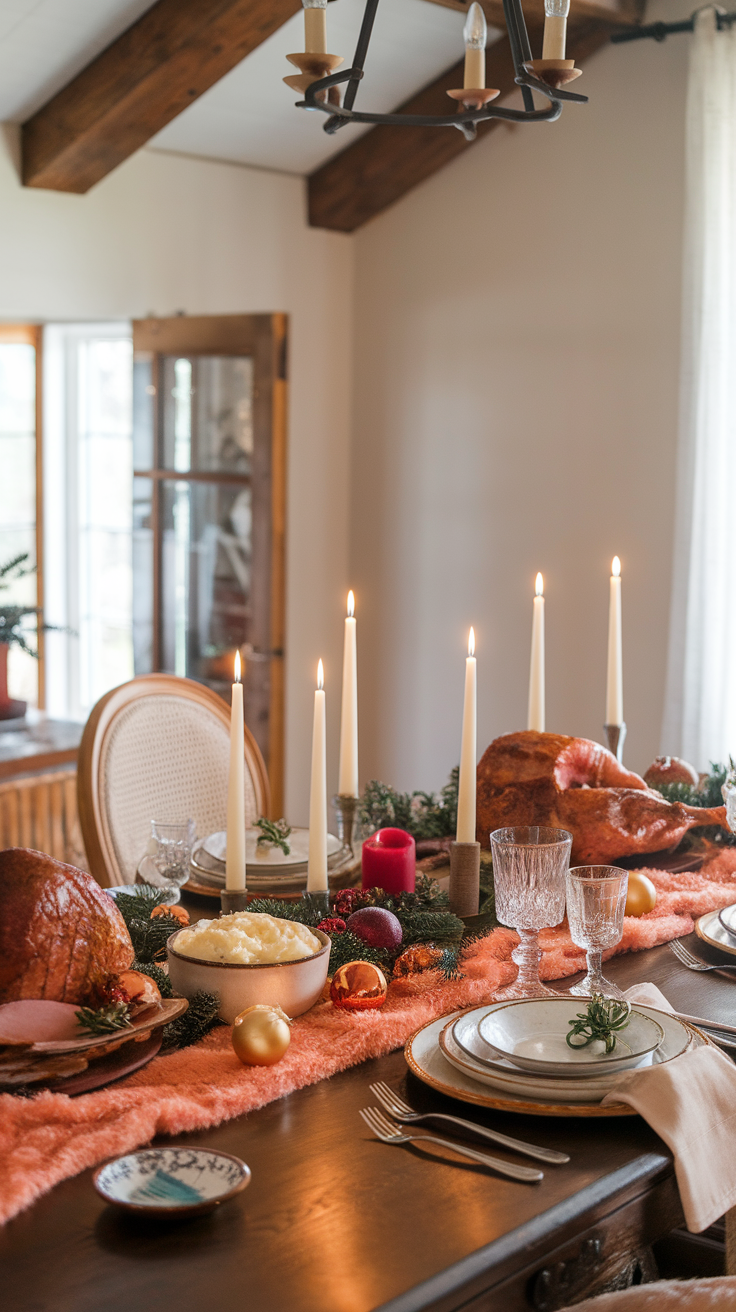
(335, 1221)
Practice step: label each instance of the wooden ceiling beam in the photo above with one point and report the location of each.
(387, 162)
(176, 51)
(619, 13)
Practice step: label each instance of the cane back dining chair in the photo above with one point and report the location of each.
(157, 748)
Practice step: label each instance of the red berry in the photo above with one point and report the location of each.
(332, 925)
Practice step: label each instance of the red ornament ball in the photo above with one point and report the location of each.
(332, 925)
(358, 986)
(377, 927)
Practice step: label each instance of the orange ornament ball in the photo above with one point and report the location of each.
(641, 896)
(358, 986)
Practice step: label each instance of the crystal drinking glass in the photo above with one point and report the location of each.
(171, 849)
(529, 865)
(596, 897)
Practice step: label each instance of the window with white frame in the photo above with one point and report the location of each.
(88, 509)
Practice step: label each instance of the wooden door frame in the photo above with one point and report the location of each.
(263, 337)
(31, 334)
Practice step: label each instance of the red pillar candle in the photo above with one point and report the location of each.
(389, 861)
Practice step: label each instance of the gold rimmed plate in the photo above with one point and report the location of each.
(711, 930)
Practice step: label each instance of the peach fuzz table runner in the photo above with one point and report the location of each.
(48, 1137)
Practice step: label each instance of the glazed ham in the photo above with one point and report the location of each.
(61, 936)
(571, 783)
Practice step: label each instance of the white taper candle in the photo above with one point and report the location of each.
(317, 864)
(235, 850)
(466, 784)
(536, 713)
(615, 678)
(348, 773)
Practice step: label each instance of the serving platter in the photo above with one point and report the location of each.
(425, 1059)
(531, 1034)
(268, 859)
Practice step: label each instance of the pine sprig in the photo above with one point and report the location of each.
(348, 947)
(149, 936)
(296, 911)
(601, 1019)
(197, 1021)
(106, 1020)
(274, 833)
(141, 901)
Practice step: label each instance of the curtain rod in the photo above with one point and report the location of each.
(658, 31)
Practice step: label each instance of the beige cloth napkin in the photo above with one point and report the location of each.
(691, 1103)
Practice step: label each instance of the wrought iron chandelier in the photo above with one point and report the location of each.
(320, 83)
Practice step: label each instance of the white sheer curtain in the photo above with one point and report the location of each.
(700, 707)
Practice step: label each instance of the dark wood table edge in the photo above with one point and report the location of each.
(459, 1284)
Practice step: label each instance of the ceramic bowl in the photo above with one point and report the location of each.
(171, 1182)
(294, 986)
(531, 1034)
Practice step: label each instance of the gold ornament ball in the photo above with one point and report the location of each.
(261, 1035)
(358, 986)
(642, 895)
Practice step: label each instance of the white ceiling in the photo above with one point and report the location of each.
(44, 43)
(249, 116)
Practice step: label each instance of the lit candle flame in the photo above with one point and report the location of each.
(320, 676)
(237, 666)
(616, 567)
(539, 586)
(471, 642)
(351, 604)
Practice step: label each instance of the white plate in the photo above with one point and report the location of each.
(677, 1039)
(268, 857)
(531, 1033)
(727, 918)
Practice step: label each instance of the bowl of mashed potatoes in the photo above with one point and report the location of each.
(247, 958)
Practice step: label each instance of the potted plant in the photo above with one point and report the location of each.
(11, 632)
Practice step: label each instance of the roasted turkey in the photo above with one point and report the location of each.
(61, 936)
(572, 783)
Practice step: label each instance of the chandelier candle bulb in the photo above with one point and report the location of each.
(536, 713)
(615, 679)
(235, 850)
(466, 784)
(317, 863)
(315, 26)
(348, 774)
(555, 28)
(475, 33)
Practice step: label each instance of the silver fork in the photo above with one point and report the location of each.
(402, 1112)
(687, 958)
(387, 1132)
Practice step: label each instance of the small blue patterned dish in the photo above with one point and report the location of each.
(171, 1182)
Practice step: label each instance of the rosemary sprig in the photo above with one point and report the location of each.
(106, 1020)
(601, 1020)
(274, 833)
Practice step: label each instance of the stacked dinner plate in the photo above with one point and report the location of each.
(269, 871)
(520, 1049)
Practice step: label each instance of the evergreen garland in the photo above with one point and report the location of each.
(197, 1021)
(159, 976)
(705, 794)
(149, 935)
(423, 815)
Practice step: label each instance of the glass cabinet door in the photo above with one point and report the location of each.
(204, 528)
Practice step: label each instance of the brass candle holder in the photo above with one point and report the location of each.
(465, 878)
(616, 736)
(346, 816)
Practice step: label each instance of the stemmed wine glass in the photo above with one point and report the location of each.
(596, 898)
(529, 865)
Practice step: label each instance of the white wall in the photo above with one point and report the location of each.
(166, 233)
(516, 353)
